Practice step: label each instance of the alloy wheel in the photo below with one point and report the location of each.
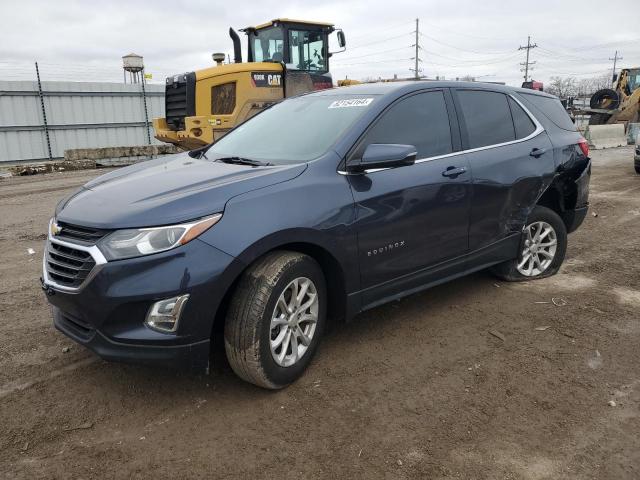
(539, 249)
(293, 322)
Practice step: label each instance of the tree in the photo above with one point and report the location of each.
(589, 86)
(562, 87)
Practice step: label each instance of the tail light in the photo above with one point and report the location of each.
(584, 146)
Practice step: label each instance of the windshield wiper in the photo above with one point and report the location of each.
(244, 161)
(199, 152)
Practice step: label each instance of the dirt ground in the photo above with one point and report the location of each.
(415, 389)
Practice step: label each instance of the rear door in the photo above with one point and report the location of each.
(412, 217)
(511, 161)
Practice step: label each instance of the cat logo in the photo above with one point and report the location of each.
(265, 79)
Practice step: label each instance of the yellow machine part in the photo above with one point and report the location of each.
(629, 103)
(205, 127)
(347, 82)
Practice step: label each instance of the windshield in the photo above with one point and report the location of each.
(267, 45)
(633, 80)
(295, 130)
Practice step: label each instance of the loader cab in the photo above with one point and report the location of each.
(630, 79)
(300, 45)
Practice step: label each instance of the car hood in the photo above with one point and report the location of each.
(169, 190)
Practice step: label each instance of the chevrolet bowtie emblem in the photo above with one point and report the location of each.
(55, 229)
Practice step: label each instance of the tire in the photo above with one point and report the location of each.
(637, 167)
(599, 98)
(599, 118)
(539, 217)
(249, 333)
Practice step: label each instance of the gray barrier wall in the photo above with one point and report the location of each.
(79, 115)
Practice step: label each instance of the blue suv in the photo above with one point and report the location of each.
(322, 206)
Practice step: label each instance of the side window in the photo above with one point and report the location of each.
(487, 117)
(524, 125)
(420, 120)
(552, 109)
(307, 50)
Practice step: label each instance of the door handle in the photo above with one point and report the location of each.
(538, 152)
(453, 172)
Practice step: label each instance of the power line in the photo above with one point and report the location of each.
(390, 60)
(464, 49)
(368, 44)
(527, 62)
(377, 53)
(479, 61)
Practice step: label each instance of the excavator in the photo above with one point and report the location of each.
(285, 58)
(618, 104)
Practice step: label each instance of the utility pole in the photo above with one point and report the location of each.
(615, 60)
(416, 69)
(527, 62)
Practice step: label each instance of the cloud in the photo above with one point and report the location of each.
(83, 40)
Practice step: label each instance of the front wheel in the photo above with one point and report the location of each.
(542, 248)
(275, 319)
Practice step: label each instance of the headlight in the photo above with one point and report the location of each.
(144, 241)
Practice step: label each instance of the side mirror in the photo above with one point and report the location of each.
(384, 155)
(342, 42)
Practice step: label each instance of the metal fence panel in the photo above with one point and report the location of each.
(79, 115)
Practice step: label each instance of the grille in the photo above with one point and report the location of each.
(179, 100)
(83, 234)
(68, 266)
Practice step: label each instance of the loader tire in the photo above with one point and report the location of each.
(605, 98)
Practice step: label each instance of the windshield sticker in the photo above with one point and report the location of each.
(351, 102)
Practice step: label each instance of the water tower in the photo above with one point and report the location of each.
(133, 64)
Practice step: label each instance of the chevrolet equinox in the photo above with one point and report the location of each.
(321, 206)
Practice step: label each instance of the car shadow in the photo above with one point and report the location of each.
(222, 380)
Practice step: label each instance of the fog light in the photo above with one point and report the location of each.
(164, 315)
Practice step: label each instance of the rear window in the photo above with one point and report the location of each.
(521, 121)
(552, 109)
(487, 117)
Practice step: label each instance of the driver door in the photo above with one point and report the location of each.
(412, 220)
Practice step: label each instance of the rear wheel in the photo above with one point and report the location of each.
(275, 319)
(542, 248)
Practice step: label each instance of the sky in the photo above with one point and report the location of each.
(85, 40)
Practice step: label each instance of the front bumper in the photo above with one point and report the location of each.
(198, 131)
(192, 356)
(107, 314)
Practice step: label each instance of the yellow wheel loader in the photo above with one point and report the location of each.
(618, 104)
(286, 57)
